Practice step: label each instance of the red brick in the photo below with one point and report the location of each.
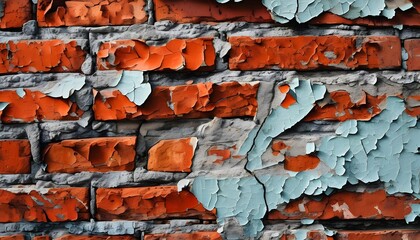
(43, 237)
(48, 205)
(15, 13)
(185, 236)
(90, 12)
(173, 155)
(36, 106)
(348, 205)
(148, 203)
(15, 156)
(186, 11)
(41, 56)
(177, 54)
(412, 46)
(402, 234)
(94, 237)
(201, 100)
(13, 237)
(220, 152)
(92, 155)
(341, 107)
(300, 163)
(315, 52)
(410, 17)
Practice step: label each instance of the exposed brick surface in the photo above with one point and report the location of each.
(41, 56)
(93, 155)
(13, 237)
(184, 11)
(15, 13)
(94, 237)
(36, 106)
(185, 236)
(15, 156)
(172, 155)
(348, 205)
(45, 205)
(201, 100)
(315, 52)
(412, 46)
(379, 235)
(90, 12)
(177, 54)
(148, 203)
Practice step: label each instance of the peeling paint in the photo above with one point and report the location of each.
(132, 85)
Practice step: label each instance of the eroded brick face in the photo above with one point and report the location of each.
(15, 156)
(148, 203)
(315, 52)
(40, 56)
(15, 13)
(185, 236)
(35, 106)
(44, 205)
(176, 54)
(52, 13)
(93, 155)
(201, 100)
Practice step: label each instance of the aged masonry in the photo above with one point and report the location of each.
(209, 119)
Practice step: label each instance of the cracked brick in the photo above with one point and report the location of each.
(55, 13)
(200, 100)
(315, 52)
(148, 203)
(44, 205)
(177, 54)
(92, 155)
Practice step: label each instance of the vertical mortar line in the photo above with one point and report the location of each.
(150, 11)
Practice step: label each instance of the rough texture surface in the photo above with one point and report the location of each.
(209, 119)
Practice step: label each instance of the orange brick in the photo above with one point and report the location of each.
(301, 163)
(342, 108)
(177, 54)
(90, 12)
(173, 155)
(409, 17)
(92, 155)
(348, 205)
(15, 13)
(148, 203)
(40, 56)
(315, 52)
(36, 106)
(186, 11)
(222, 153)
(15, 156)
(185, 236)
(201, 100)
(13, 237)
(48, 205)
(378, 235)
(412, 46)
(94, 237)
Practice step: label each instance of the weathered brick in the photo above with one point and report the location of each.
(173, 155)
(15, 156)
(412, 46)
(90, 12)
(300, 163)
(409, 17)
(348, 205)
(15, 13)
(342, 108)
(185, 11)
(94, 237)
(315, 52)
(220, 152)
(40, 56)
(36, 106)
(148, 203)
(201, 100)
(177, 54)
(403, 234)
(184, 236)
(92, 155)
(13, 237)
(44, 205)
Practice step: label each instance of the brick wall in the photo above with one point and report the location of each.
(181, 119)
